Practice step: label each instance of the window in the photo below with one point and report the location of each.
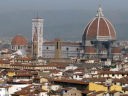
(57, 45)
(18, 47)
(77, 49)
(67, 49)
(12, 47)
(47, 48)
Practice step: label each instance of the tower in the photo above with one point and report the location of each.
(57, 49)
(37, 37)
(99, 36)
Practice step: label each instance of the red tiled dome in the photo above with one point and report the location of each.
(116, 50)
(90, 50)
(100, 29)
(19, 40)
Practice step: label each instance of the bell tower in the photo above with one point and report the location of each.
(57, 48)
(37, 37)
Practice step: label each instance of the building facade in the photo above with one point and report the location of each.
(37, 37)
(19, 43)
(64, 50)
(97, 42)
(98, 38)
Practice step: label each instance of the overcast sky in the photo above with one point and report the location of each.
(17, 5)
(65, 19)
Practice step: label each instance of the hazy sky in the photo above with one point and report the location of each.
(65, 19)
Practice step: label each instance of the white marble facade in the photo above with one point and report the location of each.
(68, 49)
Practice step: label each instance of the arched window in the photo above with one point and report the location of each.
(47, 48)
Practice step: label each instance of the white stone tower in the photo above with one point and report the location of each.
(37, 37)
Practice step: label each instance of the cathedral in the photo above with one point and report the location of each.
(98, 41)
(99, 37)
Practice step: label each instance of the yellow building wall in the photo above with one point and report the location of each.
(11, 74)
(45, 88)
(43, 80)
(116, 87)
(126, 92)
(98, 87)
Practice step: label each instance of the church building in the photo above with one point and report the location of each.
(98, 41)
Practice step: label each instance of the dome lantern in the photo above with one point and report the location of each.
(100, 12)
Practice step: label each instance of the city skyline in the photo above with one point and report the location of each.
(63, 48)
(62, 19)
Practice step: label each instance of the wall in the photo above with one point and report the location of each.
(3, 92)
(17, 87)
(98, 87)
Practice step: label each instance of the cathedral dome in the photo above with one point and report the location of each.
(90, 50)
(99, 29)
(19, 40)
(116, 50)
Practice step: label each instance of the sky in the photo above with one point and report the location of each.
(64, 19)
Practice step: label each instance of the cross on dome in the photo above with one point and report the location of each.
(99, 12)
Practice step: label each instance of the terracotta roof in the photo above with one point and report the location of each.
(81, 70)
(79, 74)
(92, 94)
(25, 82)
(32, 65)
(86, 91)
(4, 86)
(4, 62)
(99, 92)
(22, 75)
(112, 92)
(99, 28)
(24, 58)
(29, 91)
(63, 43)
(101, 79)
(19, 40)
(112, 72)
(122, 80)
(116, 50)
(69, 81)
(125, 88)
(55, 71)
(90, 50)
